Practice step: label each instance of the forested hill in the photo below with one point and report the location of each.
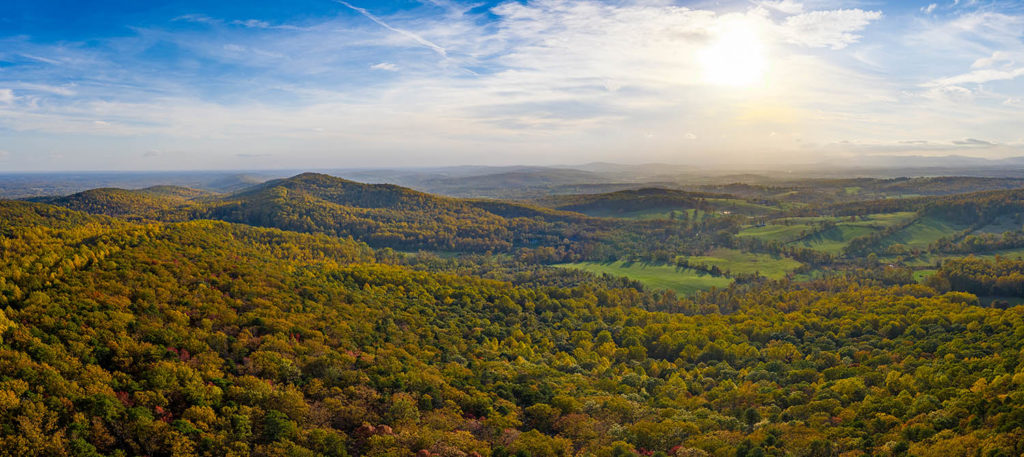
(349, 193)
(159, 202)
(392, 216)
(397, 217)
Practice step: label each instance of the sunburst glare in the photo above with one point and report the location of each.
(736, 57)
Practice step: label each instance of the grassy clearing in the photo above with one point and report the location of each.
(921, 275)
(890, 219)
(741, 206)
(739, 262)
(923, 232)
(834, 240)
(1000, 225)
(682, 281)
(774, 232)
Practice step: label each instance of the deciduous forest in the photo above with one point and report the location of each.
(318, 316)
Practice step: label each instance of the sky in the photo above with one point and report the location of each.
(187, 85)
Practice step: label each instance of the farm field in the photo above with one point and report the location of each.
(922, 233)
(682, 281)
(1000, 225)
(834, 240)
(741, 206)
(776, 232)
(739, 262)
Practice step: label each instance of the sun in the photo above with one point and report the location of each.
(736, 57)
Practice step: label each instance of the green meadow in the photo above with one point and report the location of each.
(923, 232)
(739, 262)
(681, 280)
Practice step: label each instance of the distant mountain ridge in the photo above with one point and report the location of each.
(384, 215)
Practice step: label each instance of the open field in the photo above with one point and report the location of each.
(776, 232)
(794, 230)
(739, 262)
(682, 281)
(922, 233)
(741, 206)
(834, 240)
(888, 219)
(1000, 225)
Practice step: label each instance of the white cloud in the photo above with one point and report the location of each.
(784, 6)
(835, 29)
(66, 91)
(997, 57)
(6, 96)
(929, 9)
(252, 23)
(386, 66)
(978, 77)
(197, 19)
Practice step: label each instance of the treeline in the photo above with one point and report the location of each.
(997, 277)
(980, 207)
(974, 243)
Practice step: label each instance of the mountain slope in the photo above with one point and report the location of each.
(158, 202)
(388, 215)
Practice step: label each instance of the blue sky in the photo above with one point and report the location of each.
(321, 84)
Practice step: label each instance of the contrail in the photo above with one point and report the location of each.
(415, 37)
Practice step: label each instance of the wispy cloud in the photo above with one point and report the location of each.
(835, 29)
(974, 142)
(417, 38)
(784, 6)
(978, 77)
(66, 91)
(197, 19)
(252, 23)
